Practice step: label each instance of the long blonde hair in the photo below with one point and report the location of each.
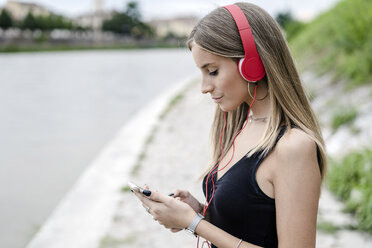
(218, 34)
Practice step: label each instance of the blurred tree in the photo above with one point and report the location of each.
(47, 23)
(128, 23)
(133, 11)
(284, 18)
(53, 21)
(172, 36)
(291, 26)
(5, 20)
(29, 22)
(142, 30)
(119, 23)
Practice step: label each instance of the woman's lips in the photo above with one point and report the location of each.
(217, 99)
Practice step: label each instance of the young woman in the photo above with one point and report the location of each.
(263, 185)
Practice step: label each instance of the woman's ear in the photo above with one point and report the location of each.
(263, 80)
(236, 60)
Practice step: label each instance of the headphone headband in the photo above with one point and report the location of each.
(251, 67)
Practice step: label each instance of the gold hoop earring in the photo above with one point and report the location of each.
(267, 93)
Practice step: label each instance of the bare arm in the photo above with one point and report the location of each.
(219, 237)
(297, 183)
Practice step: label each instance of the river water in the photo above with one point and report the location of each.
(58, 110)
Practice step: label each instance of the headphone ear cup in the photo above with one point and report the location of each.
(241, 68)
(251, 69)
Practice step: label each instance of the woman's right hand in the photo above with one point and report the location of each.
(188, 198)
(185, 196)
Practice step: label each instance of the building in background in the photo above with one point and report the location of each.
(178, 26)
(19, 10)
(94, 19)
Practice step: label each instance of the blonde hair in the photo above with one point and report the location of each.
(218, 34)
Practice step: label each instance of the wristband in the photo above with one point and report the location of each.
(194, 223)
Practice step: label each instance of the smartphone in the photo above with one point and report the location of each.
(135, 187)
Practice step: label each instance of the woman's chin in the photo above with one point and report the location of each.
(226, 108)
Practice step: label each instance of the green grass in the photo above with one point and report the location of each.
(55, 48)
(111, 242)
(125, 189)
(343, 116)
(327, 227)
(172, 103)
(138, 164)
(350, 179)
(175, 100)
(340, 41)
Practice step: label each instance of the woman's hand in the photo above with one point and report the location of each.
(168, 211)
(188, 198)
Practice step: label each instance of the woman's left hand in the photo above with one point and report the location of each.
(168, 211)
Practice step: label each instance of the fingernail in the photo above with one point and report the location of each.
(146, 192)
(171, 194)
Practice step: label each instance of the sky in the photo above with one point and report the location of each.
(150, 9)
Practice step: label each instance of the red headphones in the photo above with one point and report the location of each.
(250, 67)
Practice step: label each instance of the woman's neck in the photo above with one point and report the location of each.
(261, 109)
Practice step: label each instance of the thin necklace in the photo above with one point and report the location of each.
(251, 118)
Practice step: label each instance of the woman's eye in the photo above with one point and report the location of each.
(213, 73)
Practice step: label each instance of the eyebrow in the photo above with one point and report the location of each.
(205, 65)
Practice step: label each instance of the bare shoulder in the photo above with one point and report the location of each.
(297, 183)
(296, 150)
(294, 143)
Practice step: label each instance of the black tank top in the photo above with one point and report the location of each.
(240, 207)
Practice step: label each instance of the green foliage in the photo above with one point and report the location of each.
(5, 20)
(291, 26)
(133, 11)
(128, 23)
(46, 23)
(351, 180)
(51, 47)
(29, 22)
(110, 241)
(284, 18)
(142, 30)
(340, 41)
(174, 101)
(53, 22)
(344, 116)
(125, 189)
(293, 29)
(120, 23)
(327, 227)
(43, 37)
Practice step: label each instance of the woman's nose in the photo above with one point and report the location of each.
(206, 87)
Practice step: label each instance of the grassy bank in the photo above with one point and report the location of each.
(350, 179)
(49, 47)
(339, 41)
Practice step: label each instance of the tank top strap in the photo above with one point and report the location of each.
(261, 157)
(281, 133)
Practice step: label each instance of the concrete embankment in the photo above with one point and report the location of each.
(85, 213)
